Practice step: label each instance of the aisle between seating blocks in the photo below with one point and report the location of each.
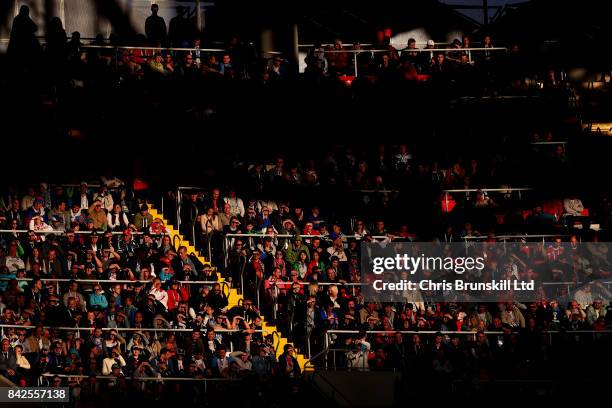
(234, 298)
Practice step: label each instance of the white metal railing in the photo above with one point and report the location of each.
(461, 333)
(264, 235)
(77, 232)
(203, 380)
(517, 236)
(548, 333)
(128, 47)
(160, 379)
(130, 329)
(107, 281)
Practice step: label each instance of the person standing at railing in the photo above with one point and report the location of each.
(487, 42)
(337, 58)
(409, 56)
(155, 28)
(24, 48)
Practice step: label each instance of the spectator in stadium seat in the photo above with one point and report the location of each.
(105, 197)
(98, 215)
(301, 265)
(8, 360)
(157, 66)
(114, 359)
(209, 222)
(278, 68)
(595, 311)
(169, 64)
(39, 225)
(36, 209)
(159, 293)
(13, 213)
(28, 199)
(368, 312)
(292, 253)
(263, 362)
(61, 212)
(358, 355)
(97, 299)
(337, 250)
(84, 199)
(117, 220)
(143, 219)
(288, 366)
(236, 204)
(573, 206)
(226, 67)
(512, 315)
(441, 68)
(221, 362)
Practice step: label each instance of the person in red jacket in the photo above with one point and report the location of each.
(176, 294)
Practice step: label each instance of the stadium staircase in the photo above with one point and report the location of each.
(234, 298)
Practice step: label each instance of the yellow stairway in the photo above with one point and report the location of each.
(234, 298)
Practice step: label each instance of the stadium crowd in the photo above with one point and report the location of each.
(133, 307)
(117, 269)
(297, 266)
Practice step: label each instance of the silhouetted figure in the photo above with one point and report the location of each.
(56, 40)
(74, 47)
(24, 48)
(155, 27)
(181, 30)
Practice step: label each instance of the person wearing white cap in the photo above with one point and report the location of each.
(427, 58)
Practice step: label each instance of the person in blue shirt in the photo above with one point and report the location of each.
(98, 298)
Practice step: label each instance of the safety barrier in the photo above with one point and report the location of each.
(76, 232)
(161, 380)
(156, 379)
(131, 329)
(432, 51)
(548, 333)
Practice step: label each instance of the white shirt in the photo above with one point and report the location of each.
(13, 263)
(236, 205)
(84, 201)
(160, 295)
